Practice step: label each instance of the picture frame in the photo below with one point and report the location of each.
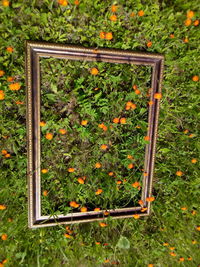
(36, 50)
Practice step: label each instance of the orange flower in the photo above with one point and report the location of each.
(150, 199)
(195, 78)
(186, 131)
(185, 40)
(80, 180)
(83, 209)
(116, 120)
(194, 160)
(150, 103)
(67, 236)
(2, 207)
(101, 125)
(62, 131)
(19, 102)
(134, 87)
(194, 242)
(184, 208)
(71, 169)
(4, 152)
(141, 202)
(118, 182)
(132, 14)
(7, 155)
(165, 244)
(172, 248)
(98, 165)
(191, 135)
(63, 2)
(143, 209)
(104, 147)
(42, 123)
(113, 18)
(150, 265)
(157, 95)
(45, 193)
(2, 95)
(49, 136)
(172, 254)
(102, 35)
(109, 36)
(190, 14)
(130, 166)
(99, 191)
(97, 243)
(196, 22)
(5, 3)
(105, 128)
(14, 86)
(129, 157)
(73, 204)
(146, 138)
(179, 173)
(181, 259)
(97, 209)
(140, 13)
(136, 184)
(110, 173)
(96, 88)
(188, 22)
(198, 228)
(106, 213)
(138, 92)
(94, 71)
(106, 260)
(9, 49)
(2, 73)
(114, 8)
(10, 79)
(4, 237)
(189, 258)
(149, 44)
(136, 216)
(123, 120)
(102, 224)
(76, 2)
(44, 170)
(194, 212)
(171, 35)
(84, 122)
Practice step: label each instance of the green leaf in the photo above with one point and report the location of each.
(123, 243)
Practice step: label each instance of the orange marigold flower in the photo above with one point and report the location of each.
(186, 131)
(71, 169)
(106, 260)
(2, 207)
(73, 204)
(106, 213)
(140, 13)
(198, 228)
(76, 2)
(149, 44)
(10, 79)
(193, 212)
(63, 2)
(136, 216)
(2, 73)
(150, 265)
(194, 242)
(146, 138)
(4, 152)
(172, 254)
(134, 87)
(97, 209)
(196, 22)
(105, 128)
(42, 123)
(19, 102)
(136, 184)
(118, 182)
(188, 22)
(7, 155)
(116, 120)
(138, 92)
(165, 244)
(67, 236)
(113, 18)
(130, 166)
(84, 122)
(150, 103)
(110, 173)
(109, 36)
(132, 14)
(172, 248)
(99, 191)
(195, 78)
(179, 173)
(98, 165)
(102, 224)
(80, 180)
(141, 202)
(4, 237)
(143, 209)
(14, 86)
(114, 8)
(45, 193)
(9, 49)
(191, 135)
(123, 120)
(185, 40)
(129, 157)
(49, 136)
(190, 14)
(94, 71)
(83, 209)
(189, 258)
(171, 35)
(150, 199)
(44, 170)
(2, 95)
(104, 147)
(181, 259)
(5, 3)
(184, 208)
(101, 125)
(62, 131)
(158, 96)
(102, 35)
(194, 160)
(97, 243)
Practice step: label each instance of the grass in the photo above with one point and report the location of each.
(175, 213)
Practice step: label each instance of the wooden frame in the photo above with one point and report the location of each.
(35, 50)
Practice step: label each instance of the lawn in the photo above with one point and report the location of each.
(78, 115)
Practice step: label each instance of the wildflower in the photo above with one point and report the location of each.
(138, 92)
(5, 3)
(196, 22)
(106, 260)
(149, 44)
(179, 173)
(44, 171)
(73, 204)
(130, 166)
(110, 173)
(194, 212)
(194, 242)
(113, 18)
(141, 202)
(49, 136)
(198, 228)
(109, 35)
(129, 157)
(84, 122)
(71, 169)
(190, 14)
(105, 128)
(45, 193)
(134, 87)
(76, 2)
(118, 182)
(102, 35)
(67, 236)
(186, 131)
(4, 237)
(185, 40)
(98, 165)
(83, 209)
(80, 180)
(136, 216)
(188, 22)
(101, 125)
(165, 244)
(123, 120)
(140, 13)
(97, 243)
(9, 49)
(114, 8)
(2, 73)
(19, 102)
(191, 135)
(157, 95)
(97, 209)
(189, 258)
(42, 123)
(104, 147)
(143, 209)
(4, 152)
(102, 224)
(136, 184)
(172, 254)
(94, 71)
(181, 259)
(195, 78)
(116, 120)
(99, 191)
(171, 35)
(194, 160)
(146, 138)
(14, 86)
(7, 155)
(150, 199)
(172, 248)
(106, 213)
(2, 207)
(132, 14)
(62, 131)
(63, 2)
(184, 208)
(10, 79)
(150, 265)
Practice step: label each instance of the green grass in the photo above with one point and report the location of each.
(130, 242)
